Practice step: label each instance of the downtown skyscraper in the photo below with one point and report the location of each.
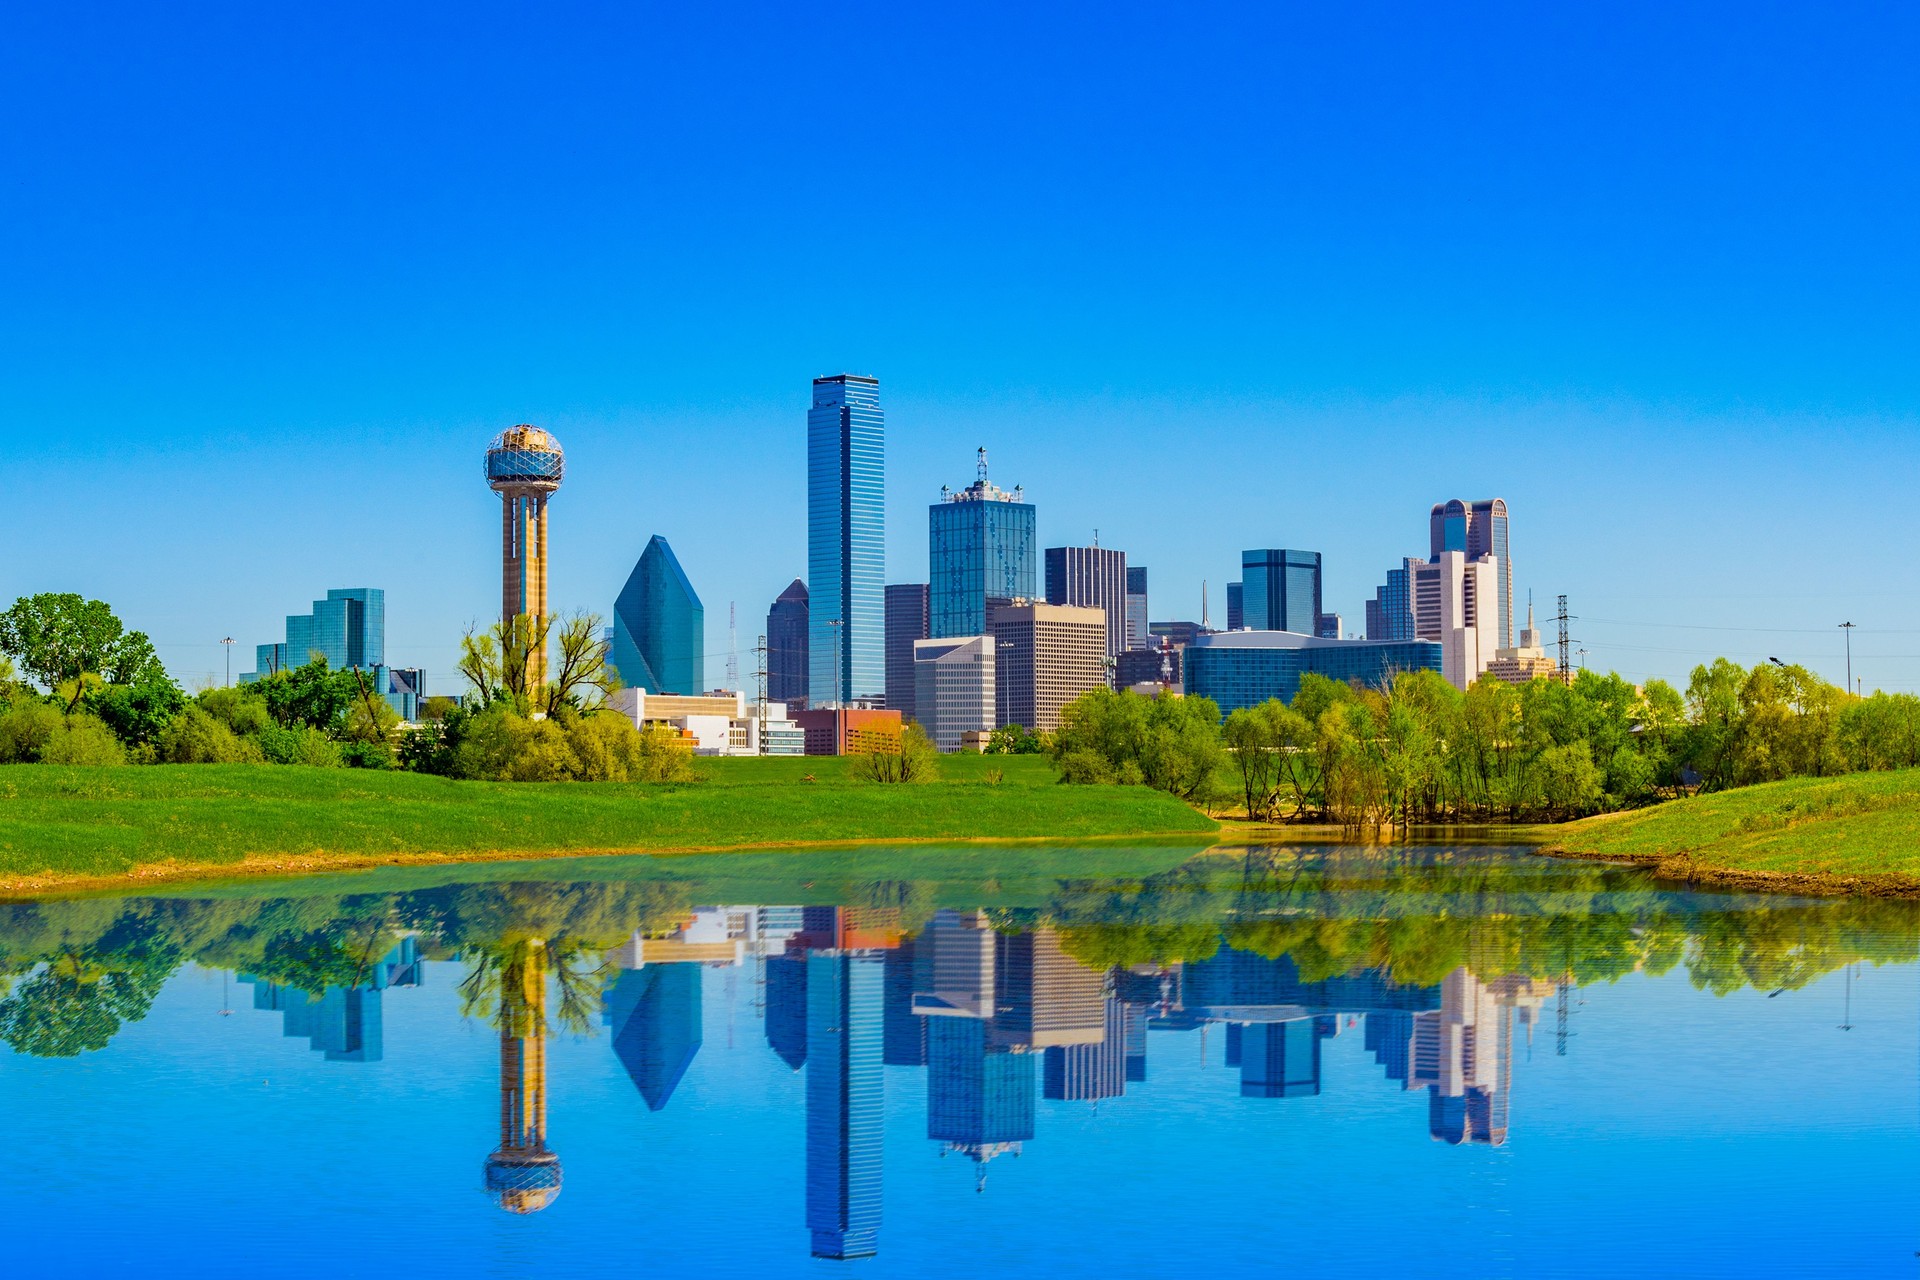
(846, 554)
(981, 546)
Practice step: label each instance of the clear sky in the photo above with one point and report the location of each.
(1202, 277)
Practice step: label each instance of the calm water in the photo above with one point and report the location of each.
(1300, 1061)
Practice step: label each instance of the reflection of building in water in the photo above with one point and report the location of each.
(787, 1008)
(343, 1023)
(655, 1016)
(1044, 997)
(1089, 1072)
(904, 1036)
(1462, 1053)
(979, 1093)
(522, 1175)
(845, 1101)
(1280, 1059)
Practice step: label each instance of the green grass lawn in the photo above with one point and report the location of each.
(58, 820)
(1859, 824)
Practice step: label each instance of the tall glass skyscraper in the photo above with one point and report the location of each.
(1280, 590)
(1477, 529)
(659, 626)
(981, 545)
(846, 554)
(787, 645)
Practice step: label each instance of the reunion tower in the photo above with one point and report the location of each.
(525, 466)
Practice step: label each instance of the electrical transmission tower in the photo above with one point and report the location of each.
(1566, 643)
(760, 689)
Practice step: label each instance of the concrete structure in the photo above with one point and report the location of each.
(525, 466)
(1525, 661)
(1279, 590)
(981, 546)
(1092, 578)
(846, 548)
(848, 730)
(1138, 627)
(1455, 602)
(659, 626)
(1158, 665)
(1245, 668)
(1477, 529)
(717, 724)
(787, 646)
(907, 623)
(1045, 656)
(953, 688)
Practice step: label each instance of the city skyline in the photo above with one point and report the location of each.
(1614, 315)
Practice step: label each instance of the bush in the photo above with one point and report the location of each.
(301, 746)
(195, 737)
(241, 710)
(914, 759)
(25, 729)
(601, 746)
(83, 739)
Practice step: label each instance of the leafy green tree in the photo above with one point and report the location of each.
(1014, 740)
(60, 637)
(82, 739)
(310, 695)
(1570, 781)
(137, 713)
(194, 737)
(916, 759)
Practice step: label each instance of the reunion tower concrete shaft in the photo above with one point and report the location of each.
(524, 466)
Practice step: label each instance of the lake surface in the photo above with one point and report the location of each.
(1304, 1061)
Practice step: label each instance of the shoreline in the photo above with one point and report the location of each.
(1680, 868)
(33, 888)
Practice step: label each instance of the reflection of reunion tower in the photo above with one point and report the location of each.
(525, 466)
(523, 1176)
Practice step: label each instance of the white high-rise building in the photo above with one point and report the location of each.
(1457, 602)
(953, 687)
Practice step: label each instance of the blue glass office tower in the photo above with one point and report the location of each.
(845, 1102)
(1390, 612)
(659, 626)
(846, 556)
(1280, 590)
(982, 544)
(1245, 668)
(348, 629)
(1477, 529)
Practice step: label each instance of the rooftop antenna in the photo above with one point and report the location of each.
(981, 467)
(1096, 539)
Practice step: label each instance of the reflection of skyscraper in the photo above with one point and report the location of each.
(904, 1038)
(1280, 1059)
(1088, 1072)
(1045, 996)
(979, 1094)
(844, 1102)
(655, 1016)
(343, 1023)
(787, 1008)
(1462, 1053)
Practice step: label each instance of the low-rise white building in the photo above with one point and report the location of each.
(715, 724)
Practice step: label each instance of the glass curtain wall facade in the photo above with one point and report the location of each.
(1245, 668)
(1236, 606)
(1477, 529)
(981, 545)
(659, 626)
(1092, 578)
(1280, 590)
(348, 629)
(1137, 624)
(787, 646)
(1390, 612)
(846, 529)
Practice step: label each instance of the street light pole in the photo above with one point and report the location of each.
(1846, 629)
(229, 643)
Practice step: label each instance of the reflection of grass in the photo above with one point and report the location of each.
(1863, 824)
(57, 821)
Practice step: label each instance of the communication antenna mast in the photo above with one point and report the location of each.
(733, 651)
(1566, 643)
(1203, 610)
(980, 468)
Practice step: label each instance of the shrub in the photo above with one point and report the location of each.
(82, 739)
(301, 746)
(241, 710)
(195, 737)
(914, 759)
(25, 729)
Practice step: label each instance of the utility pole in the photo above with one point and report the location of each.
(229, 643)
(1846, 629)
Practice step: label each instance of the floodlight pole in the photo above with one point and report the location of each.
(1846, 629)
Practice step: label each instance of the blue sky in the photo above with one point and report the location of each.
(1203, 279)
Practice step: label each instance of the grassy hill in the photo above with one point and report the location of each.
(59, 825)
(1857, 833)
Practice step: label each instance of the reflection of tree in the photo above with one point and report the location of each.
(79, 1000)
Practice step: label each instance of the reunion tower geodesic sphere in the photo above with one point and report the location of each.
(524, 466)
